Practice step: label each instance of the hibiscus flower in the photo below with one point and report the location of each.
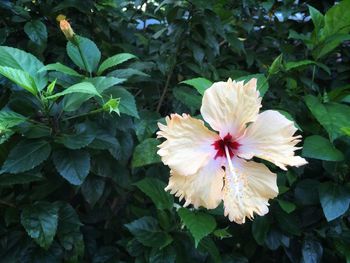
(208, 167)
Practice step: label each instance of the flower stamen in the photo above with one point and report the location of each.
(233, 181)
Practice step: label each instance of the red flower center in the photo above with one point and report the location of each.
(228, 142)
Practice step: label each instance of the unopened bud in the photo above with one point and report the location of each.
(65, 27)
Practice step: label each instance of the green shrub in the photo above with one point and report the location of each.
(80, 180)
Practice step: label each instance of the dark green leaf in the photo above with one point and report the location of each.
(260, 228)
(335, 200)
(208, 245)
(154, 189)
(25, 178)
(146, 153)
(287, 206)
(298, 65)
(321, 148)
(40, 221)
(85, 54)
(147, 231)
(92, 189)
(68, 231)
(199, 224)
(332, 116)
(36, 31)
(26, 155)
(165, 255)
(76, 141)
(185, 95)
(72, 165)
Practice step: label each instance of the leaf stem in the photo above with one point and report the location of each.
(84, 114)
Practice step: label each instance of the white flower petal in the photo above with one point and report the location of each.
(201, 189)
(188, 145)
(229, 106)
(271, 138)
(250, 193)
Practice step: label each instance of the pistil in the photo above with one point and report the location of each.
(233, 181)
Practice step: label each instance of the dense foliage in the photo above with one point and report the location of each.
(80, 179)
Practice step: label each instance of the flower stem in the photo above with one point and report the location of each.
(84, 114)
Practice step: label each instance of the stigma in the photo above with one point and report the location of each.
(225, 143)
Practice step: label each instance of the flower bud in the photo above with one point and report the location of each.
(65, 27)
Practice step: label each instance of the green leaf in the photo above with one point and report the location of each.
(165, 255)
(68, 231)
(154, 189)
(23, 178)
(335, 200)
(287, 206)
(106, 141)
(200, 84)
(26, 155)
(61, 68)
(147, 232)
(5, 134)
(21, 78)
(207, 244)
(298, 65)
(85, 54)
(127, 103)
(72, 165)
(317, 147)
(332, 116)
(276, 65)
(127, 73)
(83, 87)
(9, 119)
(222, 233)
(146, 153)
(199, 224)
(260, 228)
(76, 141)
(40, 221)
(337, 20)
(114, 61)
(50, 88)
(262, 83)
(316, 17)
(346, 130)
(36, 31)
(329, 44)
(289, 223)
(92, 189)
(146, 126)
(73, 101)
(18, 59)
(103, 83)
(186, 96)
